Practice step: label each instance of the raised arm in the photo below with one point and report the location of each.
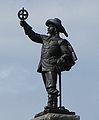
(31, 34)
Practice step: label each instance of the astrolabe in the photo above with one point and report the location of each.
(23, 14)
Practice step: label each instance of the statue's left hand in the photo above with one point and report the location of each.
(60, 61)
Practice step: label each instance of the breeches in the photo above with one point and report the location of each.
(50, 80)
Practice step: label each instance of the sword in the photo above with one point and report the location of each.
(60, 96)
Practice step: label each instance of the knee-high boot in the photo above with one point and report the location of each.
(55, 101)
(50, 102)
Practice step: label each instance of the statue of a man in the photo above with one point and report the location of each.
(57, 55)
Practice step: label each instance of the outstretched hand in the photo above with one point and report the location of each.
(22, 23)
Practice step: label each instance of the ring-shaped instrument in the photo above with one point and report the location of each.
(23, 14)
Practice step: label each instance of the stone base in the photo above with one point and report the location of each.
(55, 116)
(58, 110)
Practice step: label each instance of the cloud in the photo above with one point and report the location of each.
(16, 79)
(4, 73)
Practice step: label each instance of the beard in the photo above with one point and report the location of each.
(51, 31)
(47, 32)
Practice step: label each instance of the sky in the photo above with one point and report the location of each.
(22, 92)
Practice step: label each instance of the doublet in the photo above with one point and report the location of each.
(50, 53)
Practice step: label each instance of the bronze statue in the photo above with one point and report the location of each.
(57, 55)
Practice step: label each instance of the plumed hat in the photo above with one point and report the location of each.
(57, 23)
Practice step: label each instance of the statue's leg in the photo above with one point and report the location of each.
(50, 98)
(50, 84)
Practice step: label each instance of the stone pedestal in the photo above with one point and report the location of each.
(55, 116)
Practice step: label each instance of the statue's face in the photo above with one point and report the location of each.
(51, 29)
